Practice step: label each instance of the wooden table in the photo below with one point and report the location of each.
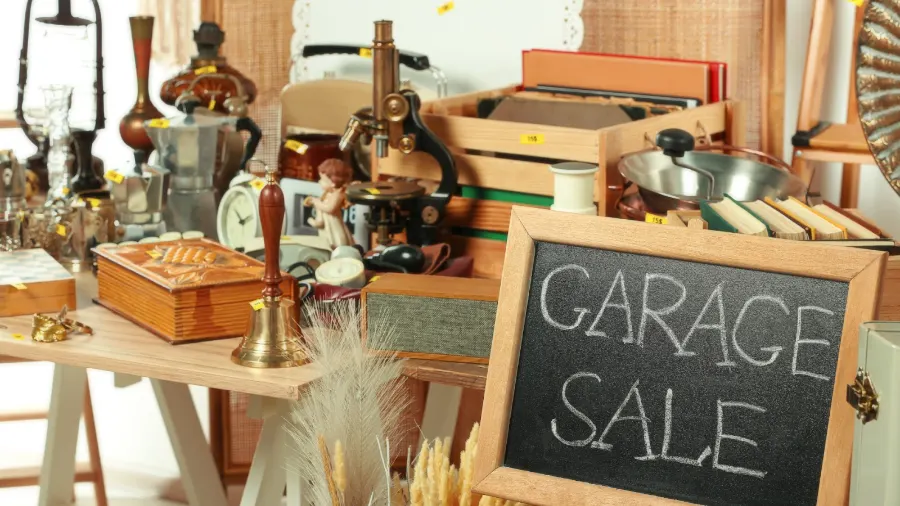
(121, 347)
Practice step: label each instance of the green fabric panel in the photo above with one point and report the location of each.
(434, 325)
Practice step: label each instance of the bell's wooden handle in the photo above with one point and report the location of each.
(271, 215)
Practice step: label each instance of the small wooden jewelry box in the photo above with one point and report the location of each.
(31, 281)
(184, 291)
(875, 475)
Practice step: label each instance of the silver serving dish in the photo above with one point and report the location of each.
(681, 182)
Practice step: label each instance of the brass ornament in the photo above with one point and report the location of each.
(878, 85)
(407, 144)
(50, 329)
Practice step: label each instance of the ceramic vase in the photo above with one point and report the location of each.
(131, 127)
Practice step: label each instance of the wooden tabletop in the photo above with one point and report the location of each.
(121, 346)
(8, 119)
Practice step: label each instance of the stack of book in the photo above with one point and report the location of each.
(185, 290)
(794, 220)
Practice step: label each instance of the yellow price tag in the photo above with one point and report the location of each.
(61, 230)
(65, 191)
(286, 238)
(374, 279)
(447, 7)
(19, 285)
(531, 139)
(258, 184)
(212, 104)
(209, 69)
(114, 176)
(257, 304)
(18, 337)
(154, 254)
(296, 146)
(158, 123)
(858, 3)
(365, 52)
(653, 218)
(373, 191)
(94, 202)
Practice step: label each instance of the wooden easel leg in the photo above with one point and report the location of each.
(198, 471)
(93, 447)
(57, 478)
(850, 186)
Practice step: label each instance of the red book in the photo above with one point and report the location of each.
(716, 73)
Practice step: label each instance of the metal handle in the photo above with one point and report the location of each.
(773, 160)
(413, 60)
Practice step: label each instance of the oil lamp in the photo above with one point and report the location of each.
(86, 177)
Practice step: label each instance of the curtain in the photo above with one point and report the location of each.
(173, 32)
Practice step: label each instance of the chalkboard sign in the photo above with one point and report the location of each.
(638, 362)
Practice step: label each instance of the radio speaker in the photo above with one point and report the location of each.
(433, 317)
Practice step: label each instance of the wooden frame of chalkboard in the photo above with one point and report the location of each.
(856, 272)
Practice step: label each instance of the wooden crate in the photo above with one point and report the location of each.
(475, 144)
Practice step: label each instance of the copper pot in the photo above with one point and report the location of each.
(301, 154)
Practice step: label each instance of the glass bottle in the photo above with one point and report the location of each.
(58, 101)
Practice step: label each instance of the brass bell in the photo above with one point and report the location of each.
(272, 340)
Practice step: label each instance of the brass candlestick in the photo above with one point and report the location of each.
(272, 340)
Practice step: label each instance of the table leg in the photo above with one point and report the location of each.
(441, 411)
(268, 477)
(198, 471)
(58, 470)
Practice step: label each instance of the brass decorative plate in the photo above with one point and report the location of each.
(878, 85)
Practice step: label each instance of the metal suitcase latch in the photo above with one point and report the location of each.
(862, 397)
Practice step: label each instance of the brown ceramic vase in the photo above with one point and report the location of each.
(131, 127)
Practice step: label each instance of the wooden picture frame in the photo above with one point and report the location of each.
(861, 269)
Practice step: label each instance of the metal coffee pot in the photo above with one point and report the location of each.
(190, 148)
(140, 197)
(12, 182)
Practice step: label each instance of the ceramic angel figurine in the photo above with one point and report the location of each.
(334, 175)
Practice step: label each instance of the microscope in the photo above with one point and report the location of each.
(394, 122)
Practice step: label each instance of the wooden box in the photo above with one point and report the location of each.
(876, 447)
(490, 181)
(183, 291)
(433, 317)
(31, 281)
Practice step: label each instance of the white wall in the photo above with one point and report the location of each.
(474, 51)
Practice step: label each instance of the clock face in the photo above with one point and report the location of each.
(238, 218)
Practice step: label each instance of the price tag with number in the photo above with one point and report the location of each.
(258, 184)
(654, 218)
(159, 123)
(296, 146)
(257, 304)
(531, 139)
(447, 7)
(114, 176)
(209, 69)
(365, 52)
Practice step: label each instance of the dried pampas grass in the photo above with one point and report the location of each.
(354, 409)
(434, 482)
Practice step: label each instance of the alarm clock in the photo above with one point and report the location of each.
(237, 220)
